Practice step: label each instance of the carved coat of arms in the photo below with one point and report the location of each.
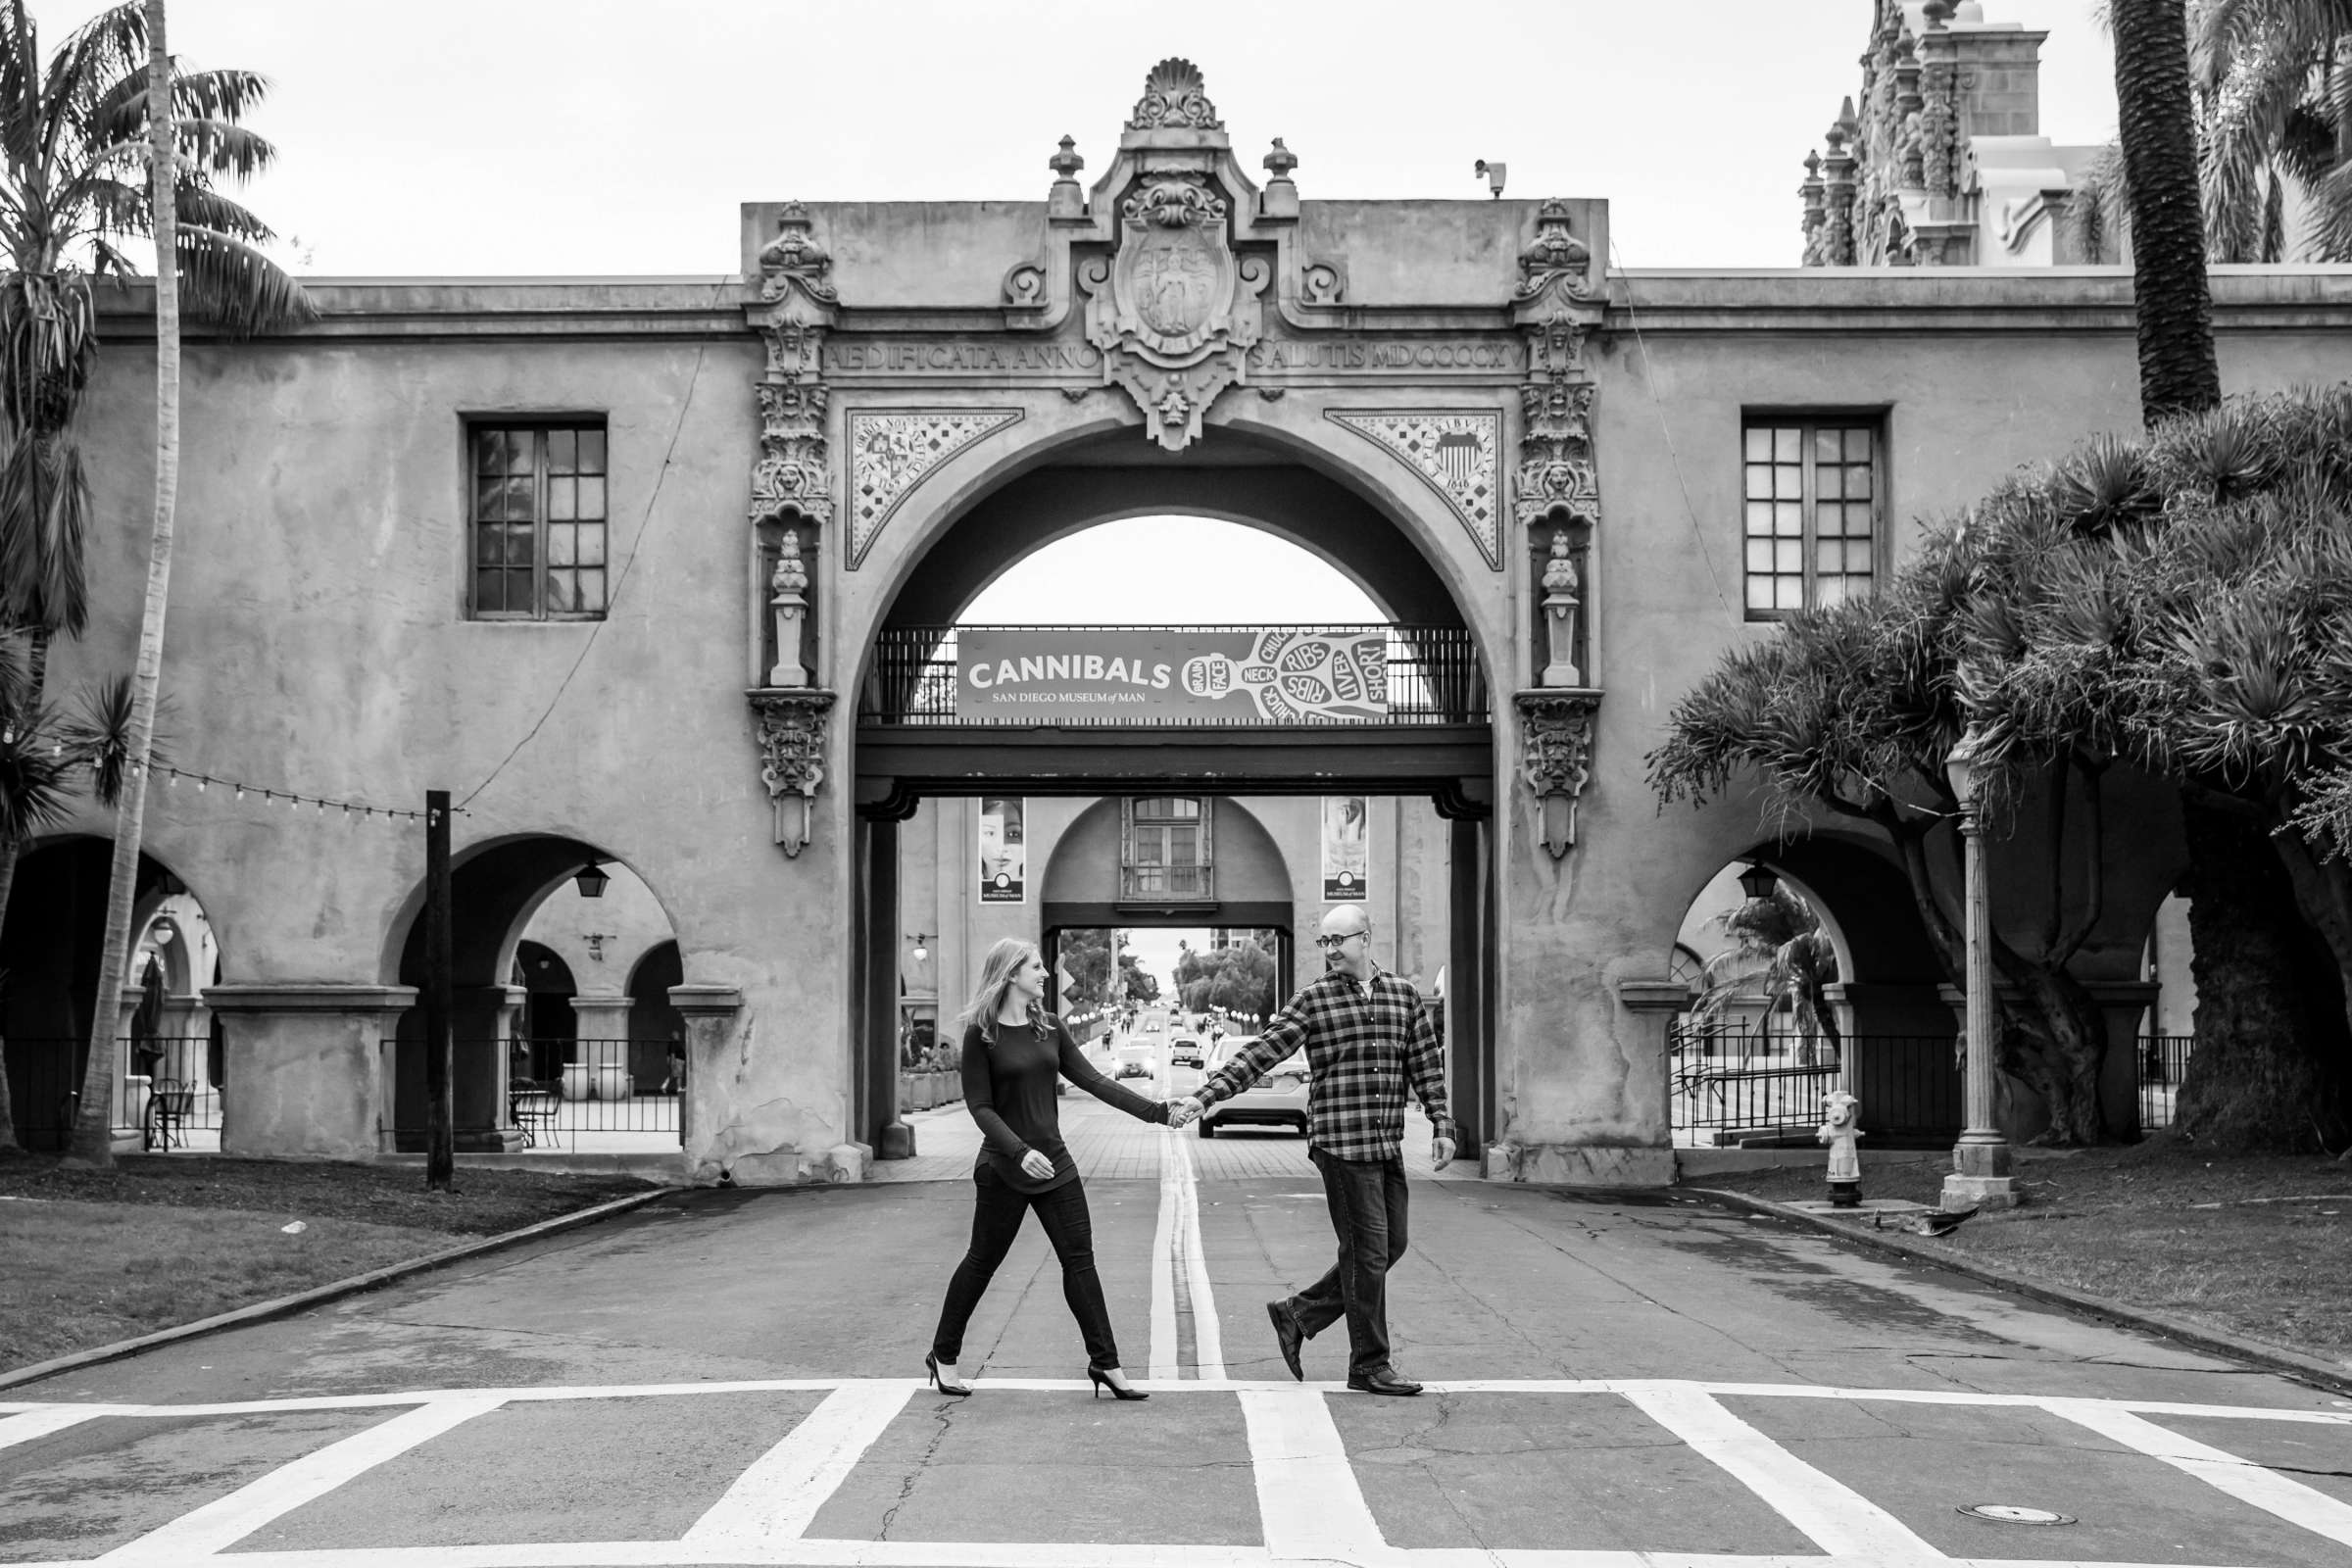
(1176, 312)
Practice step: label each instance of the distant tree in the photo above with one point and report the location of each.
(1237, 977)
(1779, 955)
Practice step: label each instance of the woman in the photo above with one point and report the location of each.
(1012, 1052)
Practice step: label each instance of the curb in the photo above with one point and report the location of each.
(2333, 1375)
(319, 1294)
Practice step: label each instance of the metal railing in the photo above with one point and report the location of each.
(597, 1090)
(1729, 1086)
(1433, 676)
(2163, 1062)
(163, 1088)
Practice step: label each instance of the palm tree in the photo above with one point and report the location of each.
(105, 150)
(1780, 953)
(2274, 87)
(2255, 1002)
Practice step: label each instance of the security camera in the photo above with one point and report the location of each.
(1493, 174)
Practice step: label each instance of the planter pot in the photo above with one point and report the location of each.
(613, 1083)
(576, 1082)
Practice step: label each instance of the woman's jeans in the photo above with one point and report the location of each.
(997, 1213)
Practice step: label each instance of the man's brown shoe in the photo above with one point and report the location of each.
(1384, 1381)
(1288, 1337)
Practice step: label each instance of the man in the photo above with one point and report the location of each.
(1364, 1034)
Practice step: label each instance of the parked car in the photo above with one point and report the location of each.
(1278, 1100)
(1184, 1051)
(1135, 1061)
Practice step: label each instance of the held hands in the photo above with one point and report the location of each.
(1036, 1166)
(1182, 1113)
(1440, 1153)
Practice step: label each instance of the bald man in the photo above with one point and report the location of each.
(1365, 1035)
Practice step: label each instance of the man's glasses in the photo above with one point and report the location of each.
(1334, 944)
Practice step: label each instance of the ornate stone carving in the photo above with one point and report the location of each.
(794, 472)
(1555, 453)
(1555, 743)
(1321, 283)
(794, 475)
(891, 453)
(794, 261)
(789, 585)
(792, 757)
(1455, 454)
(1175, 98)
(1176, 312)
(1561, 606)
(1556, 261)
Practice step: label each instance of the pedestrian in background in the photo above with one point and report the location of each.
(1365, 1035)
(1015, 1055)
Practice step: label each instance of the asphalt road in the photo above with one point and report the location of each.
(734, 1376)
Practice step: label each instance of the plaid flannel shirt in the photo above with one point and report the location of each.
(1363, 1042)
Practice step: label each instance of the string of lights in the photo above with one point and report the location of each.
(241, 790)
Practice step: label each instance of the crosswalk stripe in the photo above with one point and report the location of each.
(2242, 1479)
(32, 1423)
(1839, 1519)
(1308, 1502)
(780, 1494)
(226, 1521)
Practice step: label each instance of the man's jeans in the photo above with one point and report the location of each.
(1367, 1210)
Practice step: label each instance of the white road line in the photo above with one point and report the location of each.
(1209, 1338)
(780, 1494)
(1839, 1519)
(33, 1424)
(1308, 1502)
(1164, 1363)
(226, 1521)
(2242, 1479)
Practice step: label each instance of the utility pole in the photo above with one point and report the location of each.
(440, 1138)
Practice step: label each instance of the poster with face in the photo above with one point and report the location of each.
(1346, 849)
(1004, 851)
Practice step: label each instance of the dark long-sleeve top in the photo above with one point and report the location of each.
(1008, 1088)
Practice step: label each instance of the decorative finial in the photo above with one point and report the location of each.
(1175, 98)
(1812, 166)
(1281, 161)
(1066, 162)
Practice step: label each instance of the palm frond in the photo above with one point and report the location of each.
(44, 516)
(231, 285)
(99, 735)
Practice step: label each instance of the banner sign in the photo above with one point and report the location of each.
(1004, 850)
(1344, 820)
(1161, 675)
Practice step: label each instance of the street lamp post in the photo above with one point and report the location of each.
(1981, 1161)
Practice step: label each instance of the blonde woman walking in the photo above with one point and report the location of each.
(1013, 1050)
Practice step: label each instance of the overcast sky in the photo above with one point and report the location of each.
(592, 137)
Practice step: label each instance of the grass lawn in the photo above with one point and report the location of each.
(96, 1257)
(2252, 1246)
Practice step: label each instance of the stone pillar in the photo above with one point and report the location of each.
(1838, 226)
(1467, 1015)
(302, 1074)
(710, 1013)
(484, 1022)
(1816, 211)
(881, 1122)
(2121, 1004)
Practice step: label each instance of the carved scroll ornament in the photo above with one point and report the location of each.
(1175, 98)
(1555, 740)
(792, 758)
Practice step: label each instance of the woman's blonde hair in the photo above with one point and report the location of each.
(1003, 961)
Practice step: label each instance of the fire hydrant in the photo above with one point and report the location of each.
(1840, 1113)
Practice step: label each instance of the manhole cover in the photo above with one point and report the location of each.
(2010, 1514)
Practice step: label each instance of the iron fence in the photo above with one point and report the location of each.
(2163, 1063)
(1731, 1086)
(1433, 676)
(583, 1095)
(166, 1089)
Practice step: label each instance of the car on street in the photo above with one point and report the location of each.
(1184, 1051)
(1135, 1060)
(1278, 1100)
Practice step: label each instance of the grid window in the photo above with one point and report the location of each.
(538, 500)
(1810, 501)
(1167, 848)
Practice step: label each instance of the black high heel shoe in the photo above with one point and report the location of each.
(1101, 1383)
(957, 1391)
